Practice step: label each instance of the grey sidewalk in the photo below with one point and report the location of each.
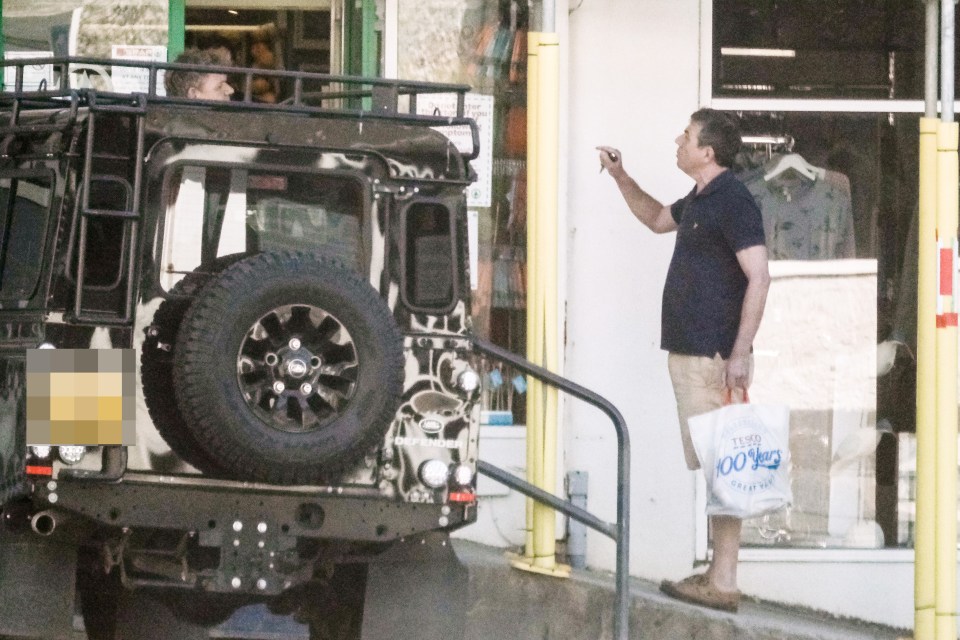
(508, 603)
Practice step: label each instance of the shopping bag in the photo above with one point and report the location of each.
(745, 456)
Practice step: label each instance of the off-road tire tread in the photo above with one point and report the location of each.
(156, 367)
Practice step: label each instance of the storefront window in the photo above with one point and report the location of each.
(838, 195)
(483, 43)
(26, 29)
(844, 49)
(74, 27)
(297, 39)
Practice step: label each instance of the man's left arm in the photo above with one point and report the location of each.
(753, 262)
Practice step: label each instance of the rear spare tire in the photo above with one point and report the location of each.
(288, 368)
(156, 363)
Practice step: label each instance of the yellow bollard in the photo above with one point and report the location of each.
(946, 440)
(924, 538)
(533, 286)
(548, 115)
(543, 73)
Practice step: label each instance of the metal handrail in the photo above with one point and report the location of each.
(620, 531)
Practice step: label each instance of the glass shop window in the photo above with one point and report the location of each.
(844, 49)
(32, 32)
(483, 43)
(28, 28)
(301, 37)
(838, 195)
(79, 28)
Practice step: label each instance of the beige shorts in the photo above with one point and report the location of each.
(698, 385)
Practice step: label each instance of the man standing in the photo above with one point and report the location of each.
(713, 300)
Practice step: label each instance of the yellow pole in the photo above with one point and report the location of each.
(946, 443)
(533, 273)
(924, 588)
(543, 80)
(548, 114)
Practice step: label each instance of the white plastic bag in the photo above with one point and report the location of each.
(745, 455)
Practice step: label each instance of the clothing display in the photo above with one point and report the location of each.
(856, 163)
(807, 214)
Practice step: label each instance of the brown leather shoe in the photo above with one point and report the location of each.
(697, 589)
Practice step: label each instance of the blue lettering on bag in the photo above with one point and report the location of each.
(769, 459)
(745, 459)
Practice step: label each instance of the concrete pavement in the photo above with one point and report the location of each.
(512, 604)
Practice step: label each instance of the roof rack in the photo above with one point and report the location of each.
(90, 81)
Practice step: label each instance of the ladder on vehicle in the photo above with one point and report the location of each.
(64, 105)
(130, 215)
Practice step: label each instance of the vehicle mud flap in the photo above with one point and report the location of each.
(37, 589)
(417, 589)
(142, 615)
(12, 428)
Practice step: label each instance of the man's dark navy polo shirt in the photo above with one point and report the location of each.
(703, 294)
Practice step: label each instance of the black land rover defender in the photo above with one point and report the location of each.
(295, 278)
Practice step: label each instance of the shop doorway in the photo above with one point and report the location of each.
(300, 36)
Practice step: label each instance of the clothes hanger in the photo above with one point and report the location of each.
(796, 162)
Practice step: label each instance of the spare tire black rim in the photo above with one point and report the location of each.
(297, 368)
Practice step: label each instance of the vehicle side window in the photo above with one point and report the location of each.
(428, 257)
(24, 214)
(308, 212)
(215, 211)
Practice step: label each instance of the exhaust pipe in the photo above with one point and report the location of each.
(43, 523)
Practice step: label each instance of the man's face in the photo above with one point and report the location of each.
(212, 86)
(690, 155)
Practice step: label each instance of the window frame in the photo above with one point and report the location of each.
(807, 105)
(174, 169)
(406, 271)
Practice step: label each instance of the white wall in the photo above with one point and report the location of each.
(633, 84)
(877, 586)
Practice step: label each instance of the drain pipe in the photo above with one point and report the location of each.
(931, 59)
(549, 17)
(947, 39)
(576, 530)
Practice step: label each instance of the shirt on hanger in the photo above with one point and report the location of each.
(806, 219)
